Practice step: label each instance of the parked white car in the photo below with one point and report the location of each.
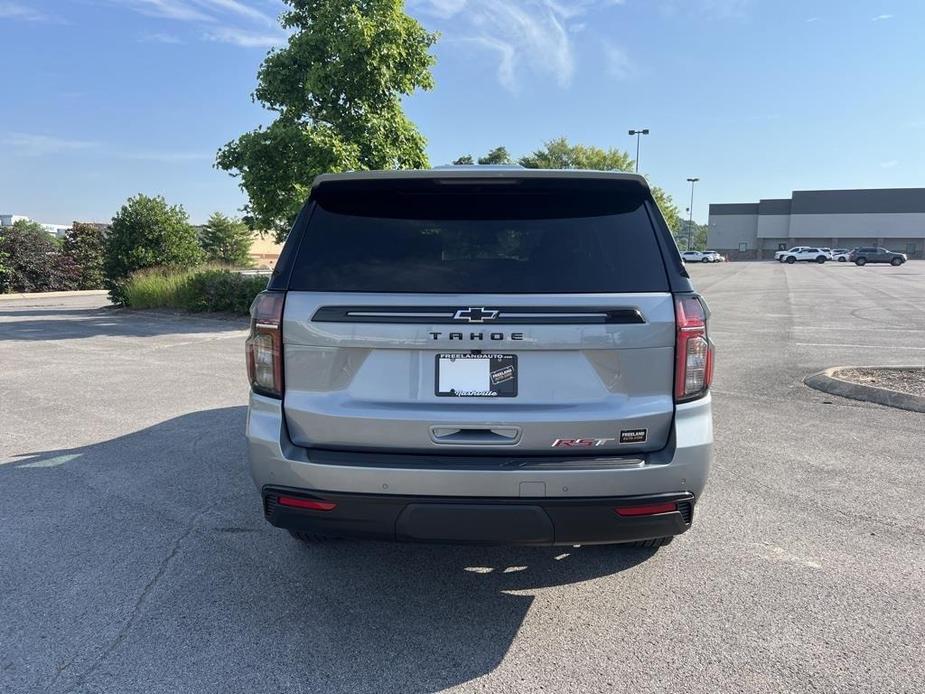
(780, 255)
(841, 254)
(697, 257)
(716, 256)
(806, 254)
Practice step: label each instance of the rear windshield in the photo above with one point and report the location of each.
(484, 240)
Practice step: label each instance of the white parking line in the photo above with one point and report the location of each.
(839, 344)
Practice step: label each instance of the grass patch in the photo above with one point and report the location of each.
(213, 289)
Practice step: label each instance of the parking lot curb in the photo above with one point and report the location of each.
(51, 295)
(828, 383)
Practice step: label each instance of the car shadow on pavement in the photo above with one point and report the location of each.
(148, 559)
(62, 323)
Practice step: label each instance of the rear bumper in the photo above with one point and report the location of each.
(487, 499)
(491, 520)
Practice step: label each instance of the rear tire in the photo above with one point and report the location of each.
(860, 261)
(654, 542)
(791, 260)
(896, 262)
(704, 260)
(842, 260)
(312, 538)
(820, 259)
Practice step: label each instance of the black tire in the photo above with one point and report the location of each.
(312, 538)
(842, 259)
(791, 260)
(655, 542)
(896, 262)
(860, 261)
(704, 260)
(820, 259)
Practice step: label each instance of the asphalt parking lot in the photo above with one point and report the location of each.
(133, 555)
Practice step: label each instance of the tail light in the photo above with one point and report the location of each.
(264, 345)
(693, 350)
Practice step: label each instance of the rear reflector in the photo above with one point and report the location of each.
(310, 504)
(647, 509)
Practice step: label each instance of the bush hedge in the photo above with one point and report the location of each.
(31, 261)
(145, 233)
(198, 289)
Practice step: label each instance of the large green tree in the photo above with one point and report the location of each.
(560, 154)
(498, 155)
(669, 210)
(85, 245)
(336, 89)
(226, 240)
(147, 232)
(697, 236)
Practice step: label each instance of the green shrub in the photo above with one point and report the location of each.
(147, 232)
(31, 261)
(224, 291)
(227, 241)
(198, 289)
(85, 245)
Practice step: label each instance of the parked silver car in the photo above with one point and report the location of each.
(480, 355)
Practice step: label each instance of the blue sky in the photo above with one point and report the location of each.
(102, 99)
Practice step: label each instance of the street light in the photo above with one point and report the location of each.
(690, 220)
(637, 133)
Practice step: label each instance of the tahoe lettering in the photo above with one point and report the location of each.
(477, 336)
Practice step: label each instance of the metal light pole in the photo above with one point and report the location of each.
(637, 133)
(690, 220)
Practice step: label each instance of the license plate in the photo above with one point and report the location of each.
(477, 375)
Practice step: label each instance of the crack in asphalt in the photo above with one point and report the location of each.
(123, 632)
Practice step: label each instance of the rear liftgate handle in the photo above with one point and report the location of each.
(475, 436)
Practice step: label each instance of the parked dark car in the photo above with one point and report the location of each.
(873, 254)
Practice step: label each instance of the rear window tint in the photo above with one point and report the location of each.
(484, 240)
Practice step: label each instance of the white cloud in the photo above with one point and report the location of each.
(889, 164)
(17, 11)
(443, 9)
(618, 64)
(34, 145)
(161, 38)
(507, 58)
(242, 10)
(38, 145)
(811, 20)
(712, 9)
(165, 157)
(181, 10)
(881, 17)
(234, 22)
(527, 36)
(245, 39)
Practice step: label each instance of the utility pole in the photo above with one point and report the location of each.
(637, 133)
(690, 219)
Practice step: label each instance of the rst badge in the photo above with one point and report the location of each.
(626, 436)
(580, 443)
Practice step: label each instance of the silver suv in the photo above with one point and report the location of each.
(503, 356)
